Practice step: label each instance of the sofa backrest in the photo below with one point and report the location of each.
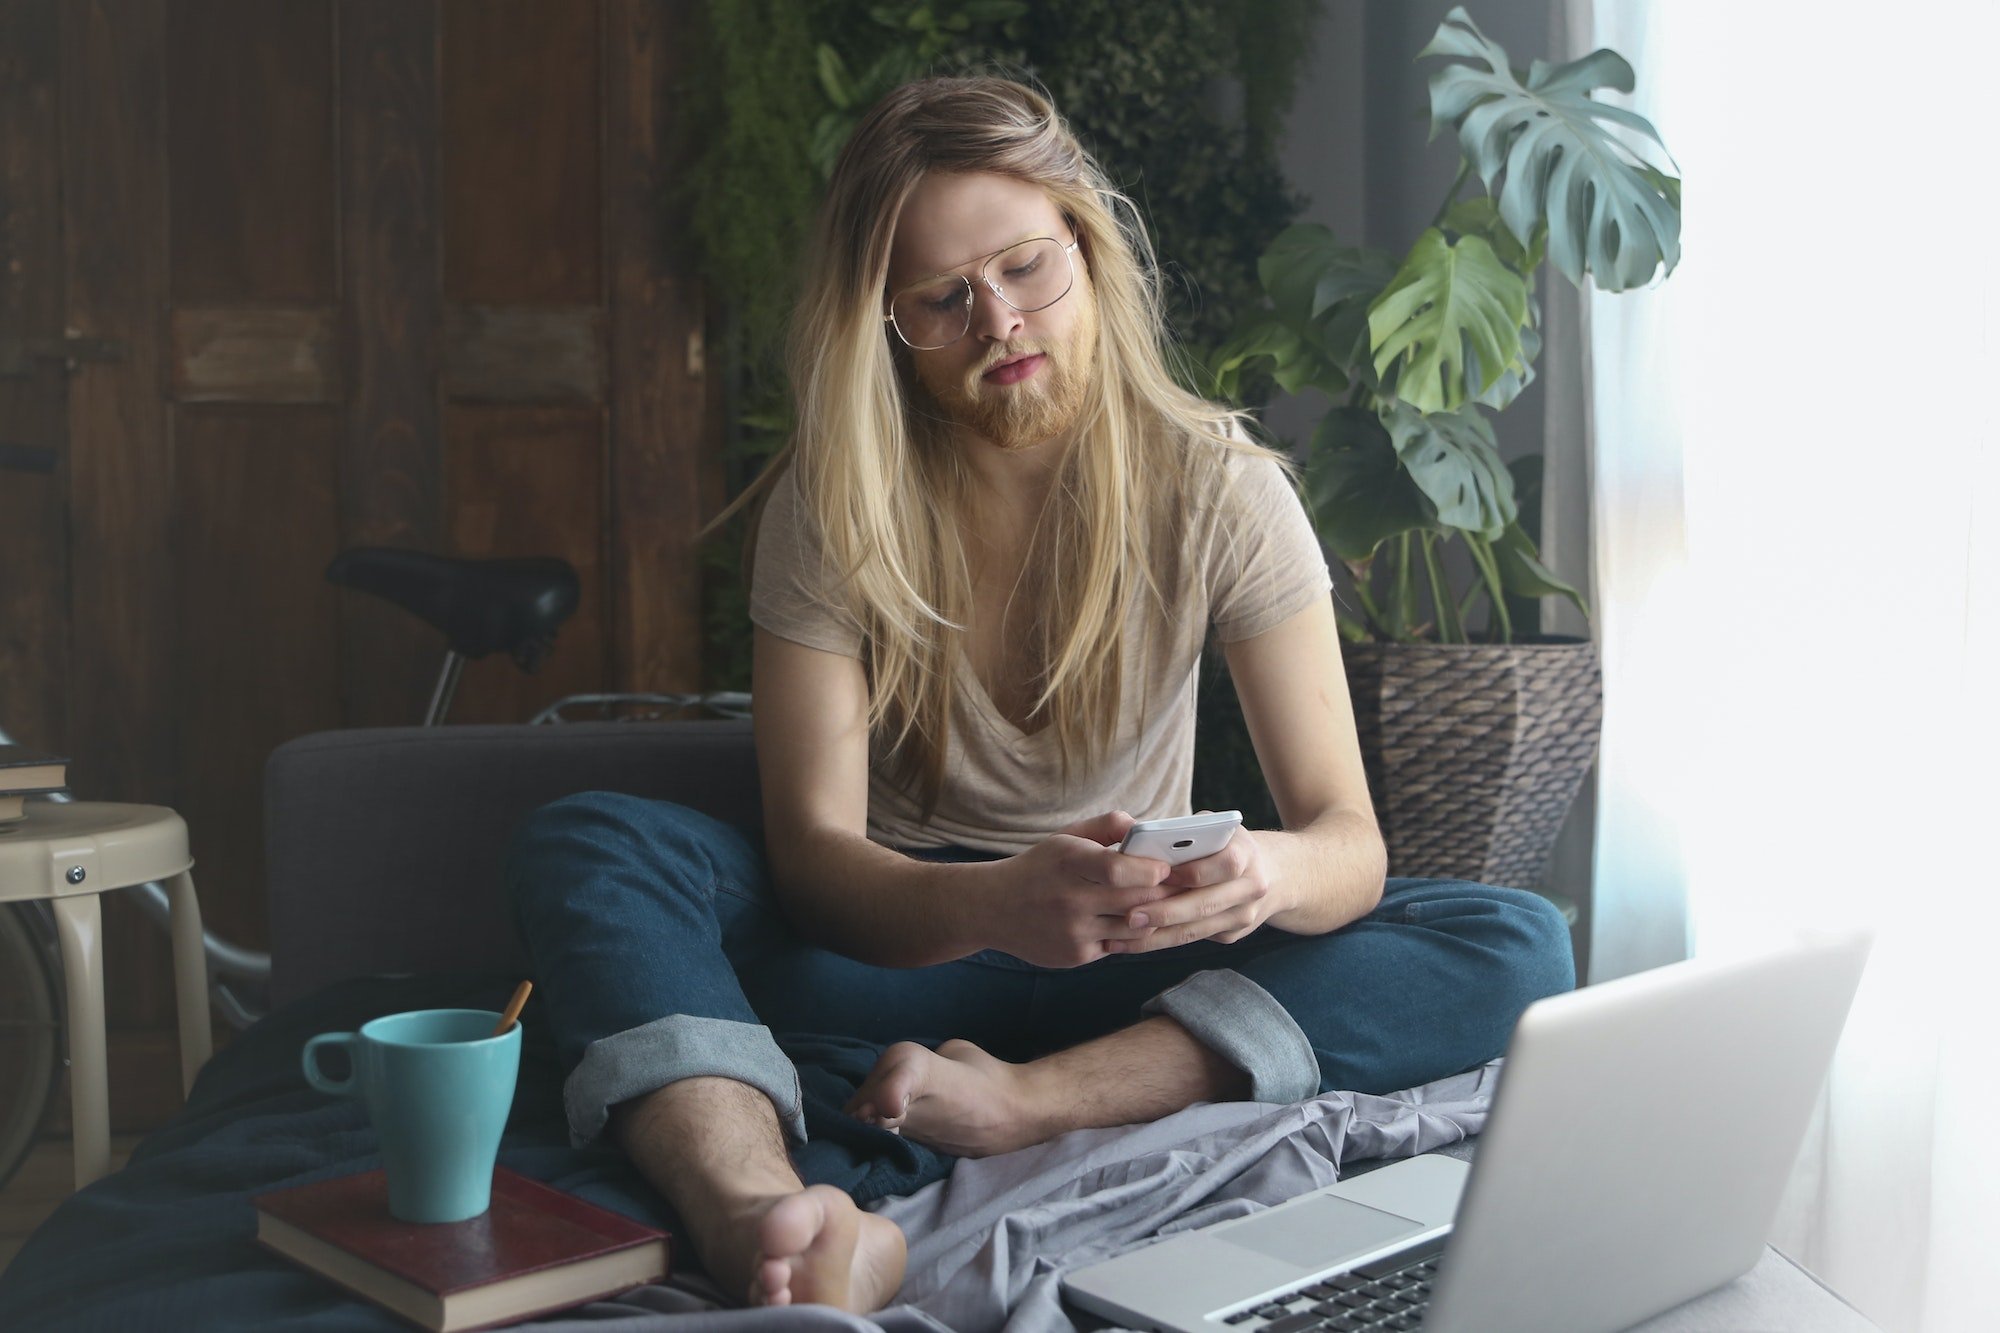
(384, 844)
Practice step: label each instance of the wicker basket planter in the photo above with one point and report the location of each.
(1474, 752)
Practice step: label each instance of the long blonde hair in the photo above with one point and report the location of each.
(886, 488)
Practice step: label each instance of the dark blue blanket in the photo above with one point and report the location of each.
(168, 1242)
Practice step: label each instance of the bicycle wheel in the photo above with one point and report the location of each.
(30, 1035)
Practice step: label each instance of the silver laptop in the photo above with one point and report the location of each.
(1639, 1139)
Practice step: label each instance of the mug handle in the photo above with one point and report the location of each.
(313, 1074)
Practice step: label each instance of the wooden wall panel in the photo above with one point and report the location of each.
(265, 215)
(390, 454)
(524, 353)
(34, 562)
(255, 354)
(250, 138)
(529, 481)
(255, 501)
(124, 664)
(664, 485)
(34, 599)
(520, 141)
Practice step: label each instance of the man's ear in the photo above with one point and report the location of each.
(905, 362)
(1077, 233)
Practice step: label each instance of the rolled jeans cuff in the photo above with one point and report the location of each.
(1240, 1021)
(636, 1061)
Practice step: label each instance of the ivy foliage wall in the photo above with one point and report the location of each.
(1180, 100)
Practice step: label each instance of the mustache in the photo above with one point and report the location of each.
(1039, 346)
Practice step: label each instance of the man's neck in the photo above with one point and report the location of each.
(1012, 485)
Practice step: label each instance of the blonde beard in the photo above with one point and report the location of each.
(1039, 408)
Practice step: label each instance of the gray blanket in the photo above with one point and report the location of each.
(988, 1245)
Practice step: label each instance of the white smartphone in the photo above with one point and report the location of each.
(1188, 838)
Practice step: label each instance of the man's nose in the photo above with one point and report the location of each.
(992, 317)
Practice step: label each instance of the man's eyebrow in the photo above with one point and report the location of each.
(1029, 235)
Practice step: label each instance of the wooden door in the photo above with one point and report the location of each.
(284, 276)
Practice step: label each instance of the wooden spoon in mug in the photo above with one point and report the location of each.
(513, 1012)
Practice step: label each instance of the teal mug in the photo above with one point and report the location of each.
(438, 1086)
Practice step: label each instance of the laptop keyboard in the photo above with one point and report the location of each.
(1368, 1298)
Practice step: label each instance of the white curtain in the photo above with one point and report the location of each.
(1798, 582)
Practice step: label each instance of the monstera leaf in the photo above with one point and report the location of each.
(1523, 573)
(1609, 212)
(1314, 333)
(1448, 298)
(1508, 386)
(1359, 492)
(1294, 363)
(1307, 272)
(1339, 325)
(1456, 463)
(1480, 216)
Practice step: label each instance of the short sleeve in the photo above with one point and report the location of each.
(1264, 562)
(791, 594)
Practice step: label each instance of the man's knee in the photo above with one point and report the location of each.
(559, 845)
(1542, 960)
(601, 815)
(553, 838)
(1517, 926)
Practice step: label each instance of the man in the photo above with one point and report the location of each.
(982, 583)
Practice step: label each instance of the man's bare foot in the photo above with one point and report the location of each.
(957, 1098)
(814, 1247)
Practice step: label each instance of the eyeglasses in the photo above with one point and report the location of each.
(936, 312)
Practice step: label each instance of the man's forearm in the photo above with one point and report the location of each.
(1329, 873)
(877, 905)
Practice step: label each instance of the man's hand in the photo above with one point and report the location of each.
(1064, 902)
(1221, 897)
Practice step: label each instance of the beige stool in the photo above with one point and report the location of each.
(69, 853)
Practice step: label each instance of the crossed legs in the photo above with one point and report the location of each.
(635, 910)
(714, 1148)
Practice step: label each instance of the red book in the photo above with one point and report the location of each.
(535, 1250)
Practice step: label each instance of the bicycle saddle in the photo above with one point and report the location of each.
(482, 606)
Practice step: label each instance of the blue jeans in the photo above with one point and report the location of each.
(660, 954)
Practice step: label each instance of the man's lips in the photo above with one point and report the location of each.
(1016, 370)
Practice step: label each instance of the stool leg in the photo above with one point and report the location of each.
(190, 978)
(80, 928)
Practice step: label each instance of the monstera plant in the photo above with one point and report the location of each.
(1414, 352)
(1476, 741)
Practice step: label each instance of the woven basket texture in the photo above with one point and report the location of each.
(1475, 751)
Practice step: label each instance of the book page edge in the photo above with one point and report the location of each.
(357, 1275)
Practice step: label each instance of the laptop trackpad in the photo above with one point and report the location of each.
(1317, 1232)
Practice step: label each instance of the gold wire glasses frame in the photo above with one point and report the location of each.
(964, 306)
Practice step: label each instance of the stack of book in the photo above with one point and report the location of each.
(25, 773)
(535, 1250)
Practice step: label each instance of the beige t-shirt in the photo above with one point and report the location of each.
(1247, 567)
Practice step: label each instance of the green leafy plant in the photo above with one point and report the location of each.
(1413, 353)
(926, 32)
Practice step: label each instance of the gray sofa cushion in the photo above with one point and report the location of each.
(384, 845)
